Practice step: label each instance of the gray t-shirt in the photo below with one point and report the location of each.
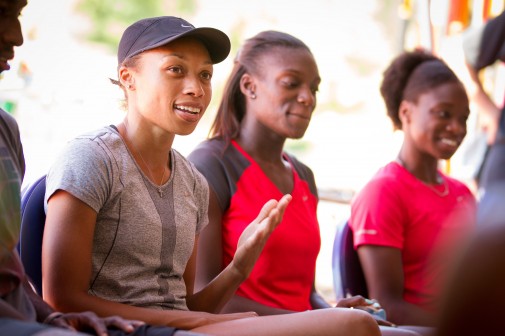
(142, 241)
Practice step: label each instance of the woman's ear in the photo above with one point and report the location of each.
(405, 112)
(125, 77)
(247, 86)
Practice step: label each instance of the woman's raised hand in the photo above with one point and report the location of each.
(255, 236)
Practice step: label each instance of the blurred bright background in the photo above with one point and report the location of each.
(59, 85)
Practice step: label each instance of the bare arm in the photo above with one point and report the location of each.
(68, 239)
(485, 104)
(210, 246)
(223, 285)
(207, 258)
(209, 264)
(383, 271)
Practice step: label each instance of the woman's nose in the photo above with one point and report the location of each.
(306, 97)
(194, 87)
(457, 126)
(12, 34)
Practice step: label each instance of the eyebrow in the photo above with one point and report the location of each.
(178, 55)
(297, 72)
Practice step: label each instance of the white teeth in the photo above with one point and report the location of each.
(188, 108)
(449, 142)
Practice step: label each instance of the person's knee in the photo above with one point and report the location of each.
(356, 321)
(368, 325)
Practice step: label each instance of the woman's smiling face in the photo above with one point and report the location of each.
(436, 124)
(172, 85)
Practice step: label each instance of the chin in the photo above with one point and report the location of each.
(185, 131)
(296, 135)
(446, 156)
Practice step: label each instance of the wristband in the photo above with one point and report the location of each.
(51, 317)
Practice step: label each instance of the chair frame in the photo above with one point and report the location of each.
(33, 218)
(348, 277)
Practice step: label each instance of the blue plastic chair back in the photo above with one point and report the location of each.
(348, 277)
(33, 218)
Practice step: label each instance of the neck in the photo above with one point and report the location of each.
(262, 150)
(425, 169)
(155, 162)
(153, 149)
(260, 142)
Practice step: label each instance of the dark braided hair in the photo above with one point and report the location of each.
(408, 76)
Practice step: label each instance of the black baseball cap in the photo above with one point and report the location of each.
(154, 32)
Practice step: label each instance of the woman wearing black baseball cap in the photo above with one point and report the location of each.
(124, 209)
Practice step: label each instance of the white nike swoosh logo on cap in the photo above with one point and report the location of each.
(186, 26)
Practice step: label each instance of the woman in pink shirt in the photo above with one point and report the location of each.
(410, 217)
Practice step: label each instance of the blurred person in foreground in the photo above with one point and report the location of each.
(128, 208)
(473, 300)
(22, 311)
(410, 219)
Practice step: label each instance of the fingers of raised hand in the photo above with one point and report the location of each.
(275, 215)
(265, 210)
(283, 203)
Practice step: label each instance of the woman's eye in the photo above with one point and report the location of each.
(290, 84)
(207, 75)
(175, 69)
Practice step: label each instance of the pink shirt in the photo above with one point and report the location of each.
(396, 209)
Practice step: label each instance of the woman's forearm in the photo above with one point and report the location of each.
(175, 318)
(218, 292)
